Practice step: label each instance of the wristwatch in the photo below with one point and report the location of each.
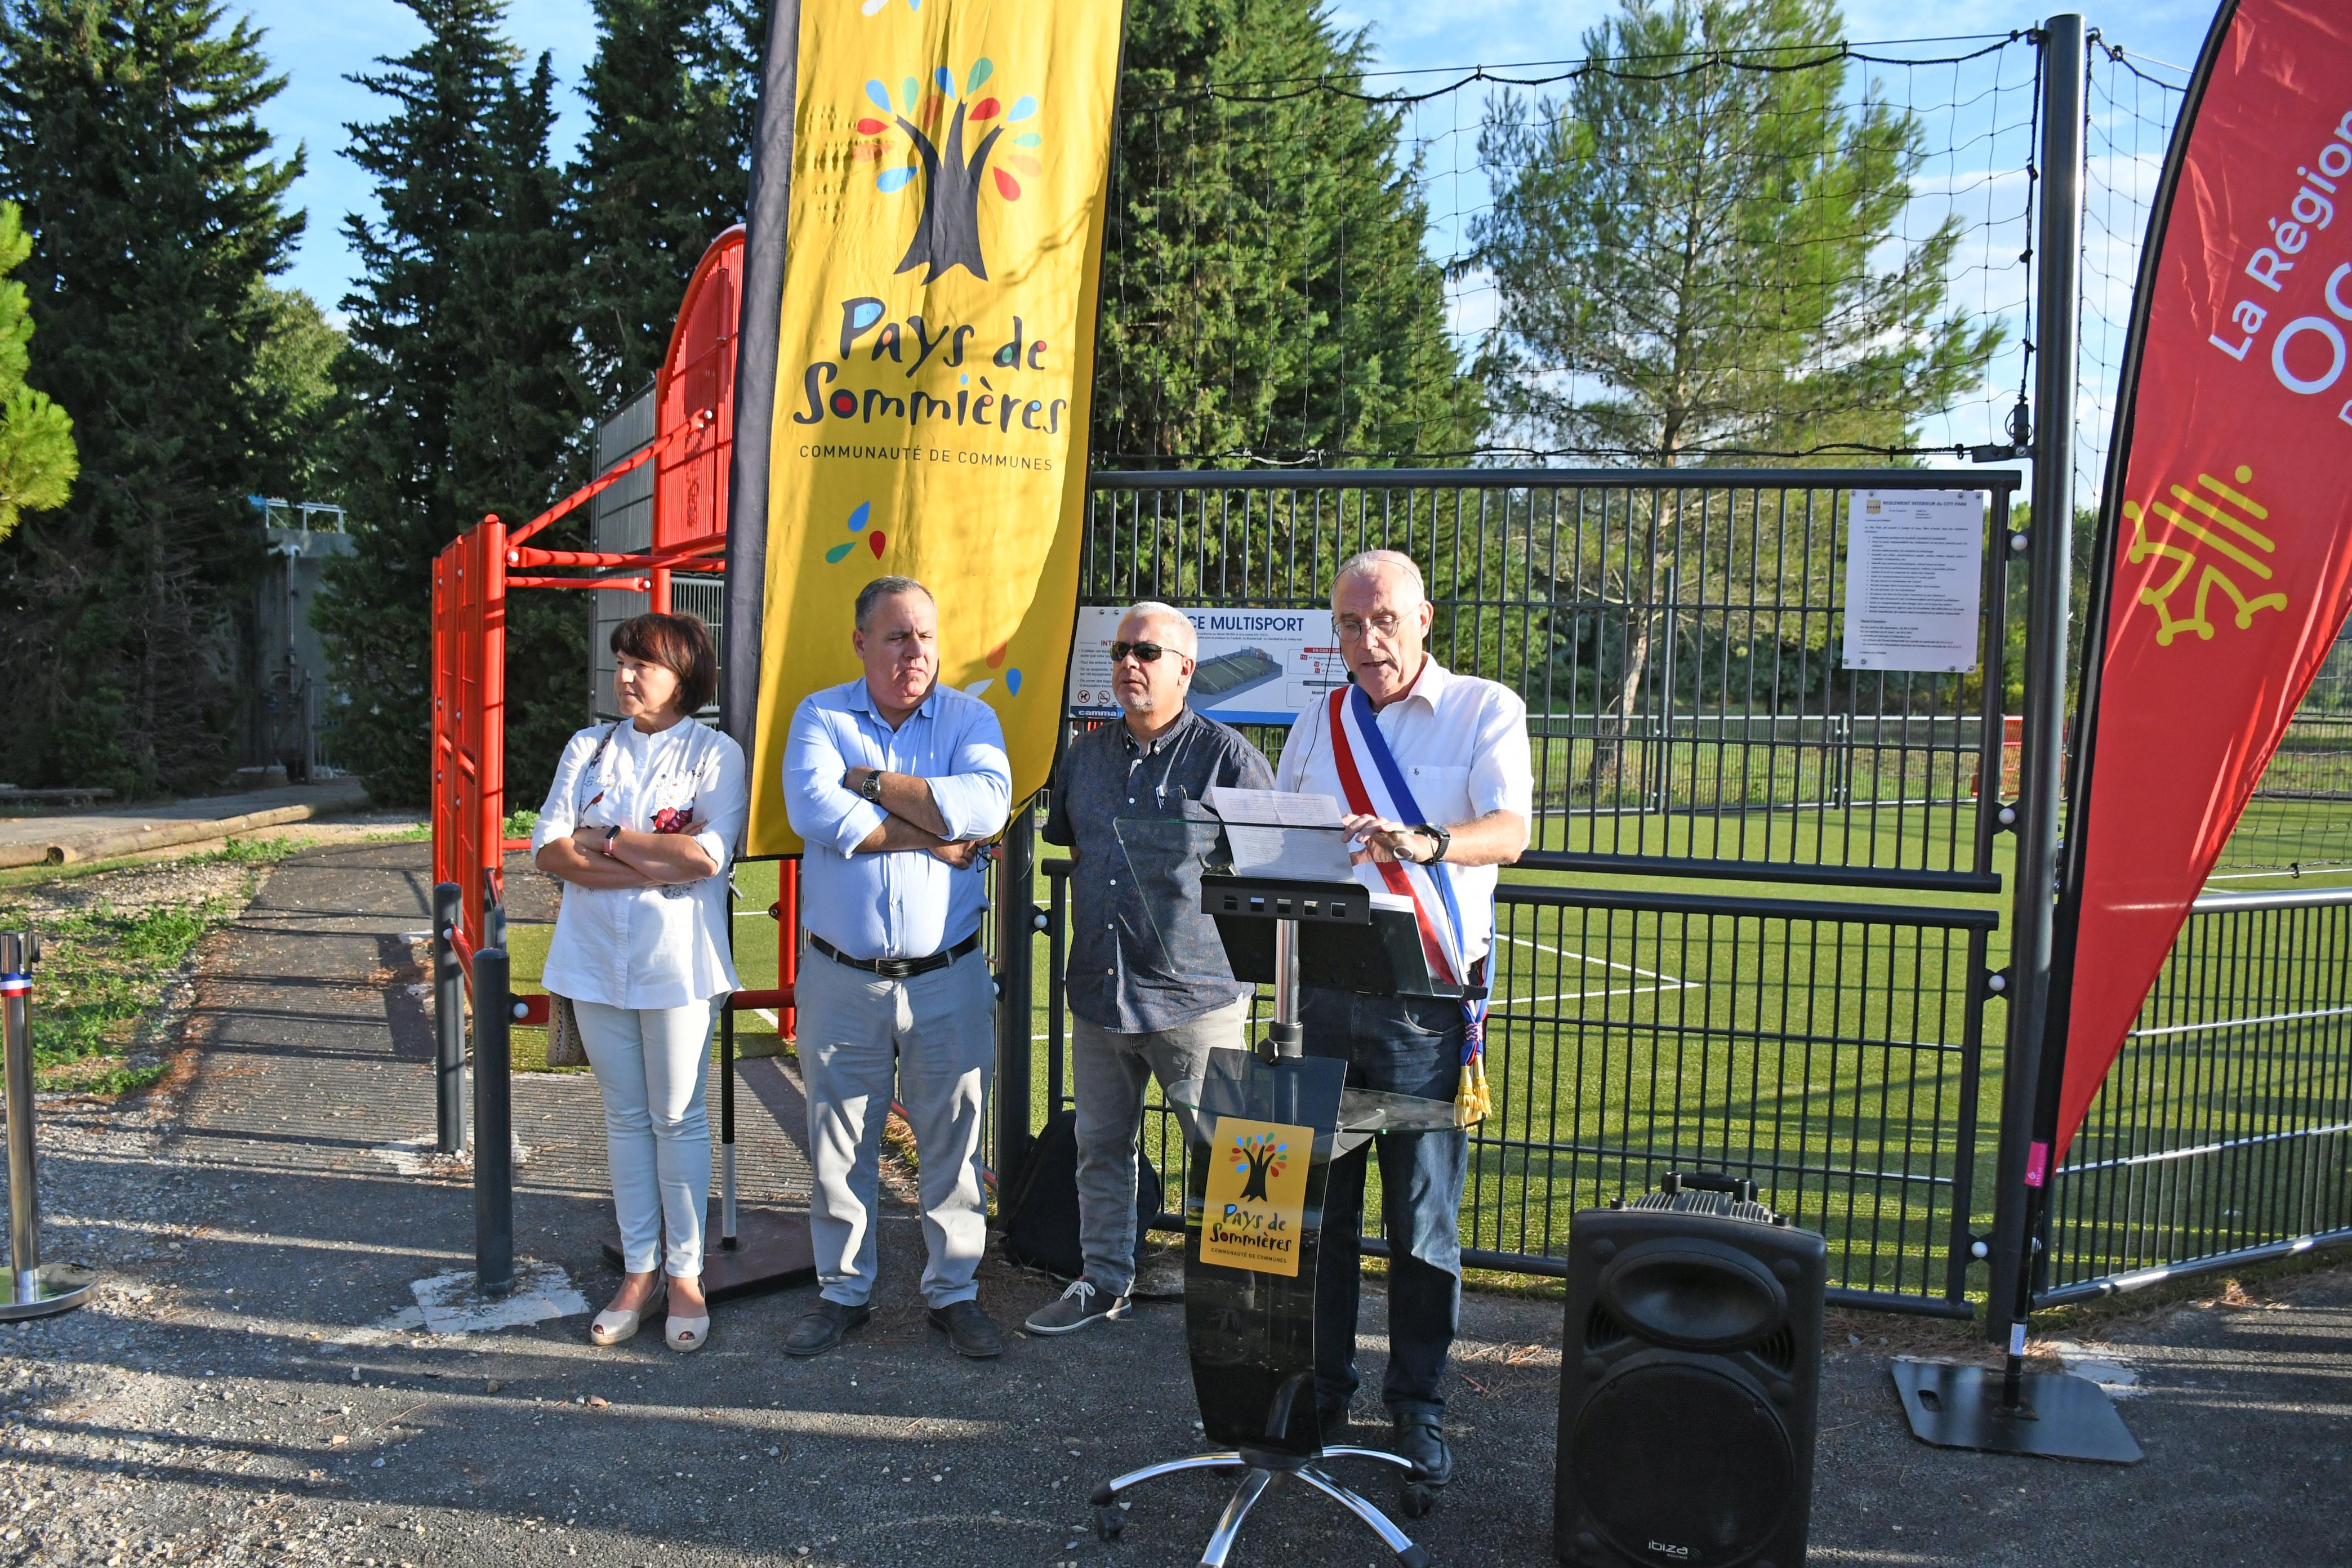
(871, 786)
(611, 834)
(1445, 841)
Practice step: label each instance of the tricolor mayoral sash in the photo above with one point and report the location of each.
(1375, 785)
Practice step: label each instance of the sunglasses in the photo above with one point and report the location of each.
(1144, 652)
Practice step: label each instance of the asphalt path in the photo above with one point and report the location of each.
(252, 1385)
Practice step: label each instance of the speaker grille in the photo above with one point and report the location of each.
(1679, 1464)
(1603, 1329)
(1778, 1349)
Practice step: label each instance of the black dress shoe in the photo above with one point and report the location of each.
(1333, 1420)
(1422, 1441)
(968, 1329)
(826, 1327)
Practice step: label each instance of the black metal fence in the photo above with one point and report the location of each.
(1679, 979)
(2300, 820)
(2223, 1134)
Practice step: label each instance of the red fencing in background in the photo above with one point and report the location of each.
(470, 733)
(694, 411)
(695, 399)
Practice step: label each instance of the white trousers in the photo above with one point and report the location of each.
(652, 1065)
(934, 1037)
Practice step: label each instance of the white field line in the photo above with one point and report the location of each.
(1670, 981)
(1586, 958)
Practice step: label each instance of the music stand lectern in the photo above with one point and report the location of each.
(1262, 1128)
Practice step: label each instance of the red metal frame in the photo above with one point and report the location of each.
(694, 439)
(694, 411)
(469, 750)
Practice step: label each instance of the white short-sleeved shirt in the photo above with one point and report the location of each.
(646, 947)
(1462, 743)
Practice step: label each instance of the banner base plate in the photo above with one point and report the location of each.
(771, 1252)
(2062, 1416)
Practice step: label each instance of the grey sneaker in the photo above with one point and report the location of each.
(1074, 1309)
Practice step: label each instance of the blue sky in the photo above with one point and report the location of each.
(317, 45)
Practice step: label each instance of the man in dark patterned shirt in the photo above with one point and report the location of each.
(1142, 1007)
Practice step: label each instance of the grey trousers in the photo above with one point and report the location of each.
(1108, 1070)
(933, 1037)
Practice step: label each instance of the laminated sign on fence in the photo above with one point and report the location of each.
(1914, 570)
(2223, 528)
(932, 359)
(1257, 667)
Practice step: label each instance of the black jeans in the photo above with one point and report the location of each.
(1406, 1045)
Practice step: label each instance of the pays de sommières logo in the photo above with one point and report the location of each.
(1253, 1210)
(955, 147)
(2217, 534)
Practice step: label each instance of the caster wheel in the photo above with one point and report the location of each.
(1418, 1500)
(1109, 1520)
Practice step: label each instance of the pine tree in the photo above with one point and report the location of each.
(461, 391)
(1265, 285)
(292, 391)
(38, 463)
(1682, 249)
(664, 166)
(128, 135)
(1686, 256)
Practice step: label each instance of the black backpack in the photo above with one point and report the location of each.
(1040, 1227)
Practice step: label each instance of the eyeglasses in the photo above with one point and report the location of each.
(1144, 652)
(1384, 626)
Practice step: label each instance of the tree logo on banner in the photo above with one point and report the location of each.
(2223, 525)
(1258, 1156)
(947, 234)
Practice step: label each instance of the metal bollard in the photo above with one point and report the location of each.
(493, 1124)
(448, 1022)
(31, 1289)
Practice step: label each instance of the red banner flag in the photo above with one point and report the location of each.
(2224, 519)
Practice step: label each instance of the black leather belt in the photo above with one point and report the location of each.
(897, 968)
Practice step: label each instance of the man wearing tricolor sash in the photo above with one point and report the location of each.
(1432, 770)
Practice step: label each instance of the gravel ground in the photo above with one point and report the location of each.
(247, 1389)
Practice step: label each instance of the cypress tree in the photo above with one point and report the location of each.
(664, 166)
(128, 135)
(462, 395)
(1264, 286)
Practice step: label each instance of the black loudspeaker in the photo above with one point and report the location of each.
(1690, 1382)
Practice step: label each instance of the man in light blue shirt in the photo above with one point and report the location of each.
(893, 781)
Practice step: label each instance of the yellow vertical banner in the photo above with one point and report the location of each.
(935, 351)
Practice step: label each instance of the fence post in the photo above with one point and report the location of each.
(493, 1124)
(448, 1021)
(2021, 1166)
(1016, 923)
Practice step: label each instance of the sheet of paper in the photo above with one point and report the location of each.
(1299, 855)
(1914, 580)
(1273, 807)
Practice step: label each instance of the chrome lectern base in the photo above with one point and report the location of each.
(1255, 1478)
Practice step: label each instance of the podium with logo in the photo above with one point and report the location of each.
(1262, 1127)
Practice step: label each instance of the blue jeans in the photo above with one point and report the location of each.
(1406, 1045)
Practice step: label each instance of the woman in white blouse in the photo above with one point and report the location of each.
(640, 826)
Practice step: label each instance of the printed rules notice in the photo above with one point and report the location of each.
(1914, 580)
